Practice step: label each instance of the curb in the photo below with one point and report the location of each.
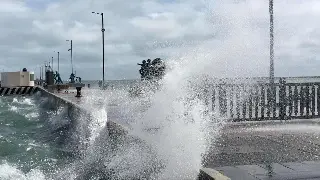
(211, 174)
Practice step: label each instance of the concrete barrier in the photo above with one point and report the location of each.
(75, 111)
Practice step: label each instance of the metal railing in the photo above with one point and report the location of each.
(278, 101)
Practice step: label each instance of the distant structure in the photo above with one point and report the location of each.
(76, 82)
(49, 76)
(17, 79)
(152, 70)
(72, 78)
(57, 78)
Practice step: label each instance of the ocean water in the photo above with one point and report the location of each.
(30, 146)
(39, 141)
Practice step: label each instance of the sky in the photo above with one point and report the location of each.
(33, 31)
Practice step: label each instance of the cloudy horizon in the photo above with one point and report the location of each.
(33, 31)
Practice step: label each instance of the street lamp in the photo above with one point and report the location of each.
(102, 30)
(58, 61)
(45, 66)
(45, 70)
(40, 72)
(271, 42)
(41, 75)
(51, 63)
(71, 54)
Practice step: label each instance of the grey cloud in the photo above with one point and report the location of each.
(140, 29)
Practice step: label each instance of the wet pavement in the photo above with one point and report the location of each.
(306, 170)
(268, 151)
(70, 95)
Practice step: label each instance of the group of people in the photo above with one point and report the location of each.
(152, 69)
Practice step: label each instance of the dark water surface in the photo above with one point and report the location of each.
(39, 141)
(30, 145)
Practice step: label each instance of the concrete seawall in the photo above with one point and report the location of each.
(76, 112)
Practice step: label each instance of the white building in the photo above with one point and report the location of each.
(14, 79)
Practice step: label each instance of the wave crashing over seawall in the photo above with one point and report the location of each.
(53, 140)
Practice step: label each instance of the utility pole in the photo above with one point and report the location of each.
(42, 73)
(52, 63)
(40, 83)
(71, 55)
(102, 30)
(271, 43)
(59, 62)
(45, 71)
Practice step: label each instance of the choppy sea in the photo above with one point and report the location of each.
(28, 144)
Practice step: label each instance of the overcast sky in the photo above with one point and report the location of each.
(31, 30)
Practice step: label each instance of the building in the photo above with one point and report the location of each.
(16, 79)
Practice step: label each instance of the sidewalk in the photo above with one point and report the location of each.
(306, 170)
(268, 151)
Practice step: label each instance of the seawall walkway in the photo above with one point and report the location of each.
(76, 107)
(278, 150)
(268, 150)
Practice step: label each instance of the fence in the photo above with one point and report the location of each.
(243, 102)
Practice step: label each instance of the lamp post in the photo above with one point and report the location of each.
(71, 54)
(52, 63)
(102, 30)
(40, 72)
(45, 70)
(58, 61)
(271, 75)
(42, 75)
